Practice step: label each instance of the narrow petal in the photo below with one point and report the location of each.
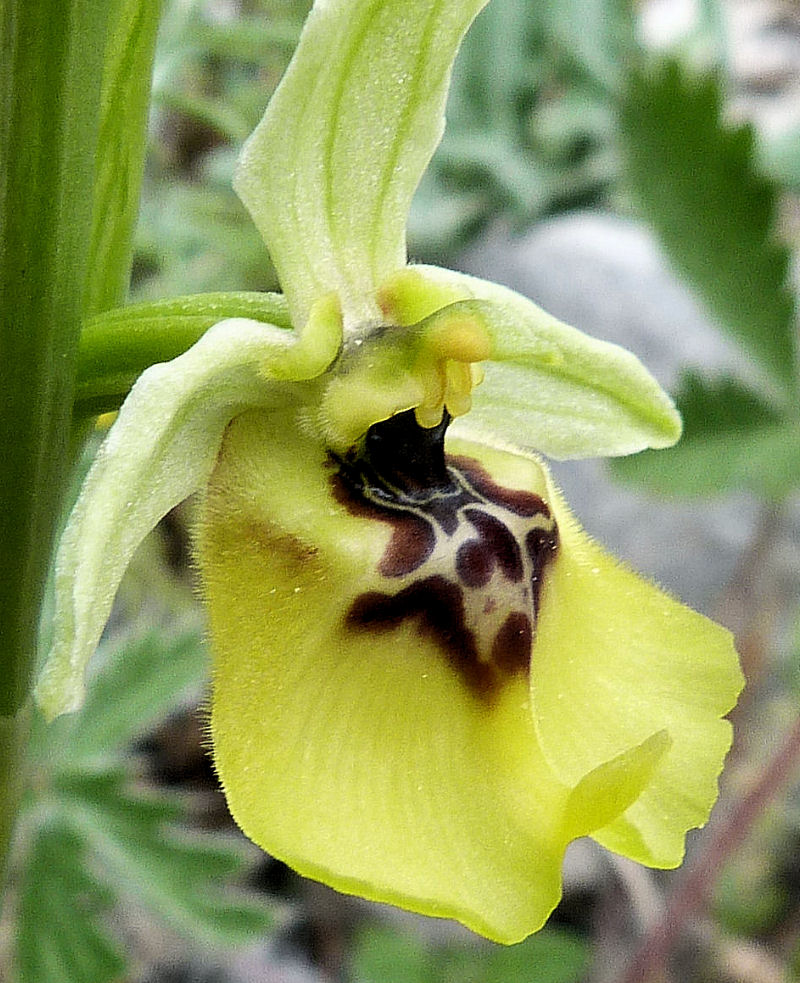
(548, 387)
(329, 173)
(610, 788)
(367, 751)
(160, 449)
(616, 659)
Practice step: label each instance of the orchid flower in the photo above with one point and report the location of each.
(427, 679)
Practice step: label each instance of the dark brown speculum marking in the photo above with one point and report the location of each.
(466, 559)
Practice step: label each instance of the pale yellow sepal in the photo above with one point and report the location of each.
(160, 449)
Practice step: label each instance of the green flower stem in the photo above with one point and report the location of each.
(49, 99)
(64, 65)
(117, 346)
(52, 58)
(13, 739)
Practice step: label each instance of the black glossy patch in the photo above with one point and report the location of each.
(404, 457)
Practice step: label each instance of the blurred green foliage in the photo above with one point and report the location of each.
(733, 440)
(98, 837)
(697, 183)
(529, 118)
(385, 955)
(213, 75)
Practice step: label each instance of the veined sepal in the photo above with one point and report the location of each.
(162, 448)
(329, 173)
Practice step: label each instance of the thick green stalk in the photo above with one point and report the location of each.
(13, 738)
(74, 94)
(52, 57)
(52, 67)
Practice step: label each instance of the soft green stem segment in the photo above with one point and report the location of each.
(62, 65)
(13, 738)
(50, 92)
(49, 96)
(118, 345)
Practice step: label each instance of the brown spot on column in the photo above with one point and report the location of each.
(511, 651)
(412, 542)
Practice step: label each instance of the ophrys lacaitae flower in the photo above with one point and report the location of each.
(427, 679)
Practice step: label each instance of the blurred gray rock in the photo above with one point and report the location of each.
(265, 965)
(606, 276)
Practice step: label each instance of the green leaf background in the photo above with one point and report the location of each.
(383, 954)
(97, 836)
(696, 180)
(733, 440)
